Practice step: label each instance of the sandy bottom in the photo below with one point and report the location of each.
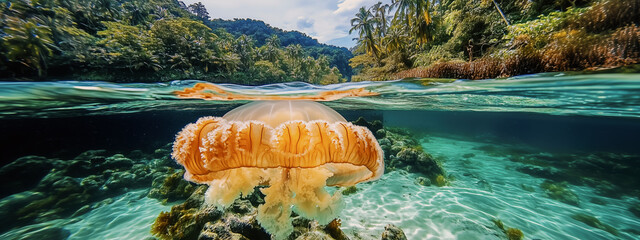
(485, 188)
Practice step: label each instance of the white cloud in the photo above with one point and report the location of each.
(349, 5)
(325, 20)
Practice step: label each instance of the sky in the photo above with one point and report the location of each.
(325, 20)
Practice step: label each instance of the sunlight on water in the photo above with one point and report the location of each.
(589, 95)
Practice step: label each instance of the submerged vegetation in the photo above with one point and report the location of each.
(146, 40)
(487, 39)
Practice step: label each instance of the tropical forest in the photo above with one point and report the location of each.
(162, 40)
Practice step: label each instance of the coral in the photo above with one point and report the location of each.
(196, 219)
(391, 232)
(349, 190)
(373, 126)
(402, 151)
(594, 222)
(560, 192)
(295, 147)
(171, 188)
(185, 221)
(76, 186)
(12, 174)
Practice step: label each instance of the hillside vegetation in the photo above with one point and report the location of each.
(478, 39)
(147, 40)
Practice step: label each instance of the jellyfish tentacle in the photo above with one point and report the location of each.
(275, 214)
(311, 199)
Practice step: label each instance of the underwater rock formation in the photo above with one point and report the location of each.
(194, 219)
(510, 233)
(391, 232)
(594, 222)
(403, 151)
(610, 174)
(171, 188)
(295, 147)
(560, 192)
(53, 188)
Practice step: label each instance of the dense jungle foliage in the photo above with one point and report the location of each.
(478, 39)
(150, 40)
(261, 32)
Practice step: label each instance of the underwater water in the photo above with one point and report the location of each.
(554, 155)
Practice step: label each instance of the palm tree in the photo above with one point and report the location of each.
(395, 40)
(502, 14)
(364, 23)
(415, 15)
(244, 49)
(271, 48)
(28, 43)
(294, 52)
(199, 10)
(380, 14)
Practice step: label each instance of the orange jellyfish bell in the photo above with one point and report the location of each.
(295, 147)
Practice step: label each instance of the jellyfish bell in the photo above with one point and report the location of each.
(296, 148)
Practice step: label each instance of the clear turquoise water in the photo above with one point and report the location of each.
(613, 95)
(553, 115)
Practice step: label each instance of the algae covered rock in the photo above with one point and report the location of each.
(594, 222)
(402, 151)
(24, 174)
(510, 233)
(391, 232)
(64, 188)
(373, 126)
(194, 219)
(560, 192)
(171, 187)
(186, 220)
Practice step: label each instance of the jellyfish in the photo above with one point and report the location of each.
(294, 148)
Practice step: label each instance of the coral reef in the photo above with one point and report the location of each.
(46, 189)
(403, 152)
(373, 126)
(560, 192)
(594, 222)
(171, 188)
(194, 219)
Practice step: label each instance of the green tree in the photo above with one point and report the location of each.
(184, 44)
(414, 14)
(380, 14)
(28, 43)
(126, 46)
(199, 10)
(364, 23)
(271, 48)
(244, 50)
